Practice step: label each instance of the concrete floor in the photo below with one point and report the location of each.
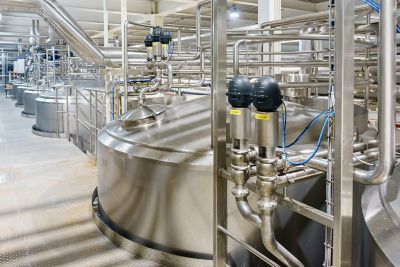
(45, 190)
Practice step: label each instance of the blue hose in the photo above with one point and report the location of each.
(311, 124)
(331, 114)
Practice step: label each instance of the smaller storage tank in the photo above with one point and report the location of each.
(20, 94)
(52, 120)
(29, 103)
(49, 117)
(14, 90)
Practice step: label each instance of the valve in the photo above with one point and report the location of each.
(239, 92)
(148, 42)
(165, 40)
(239, 96)
(267, 95)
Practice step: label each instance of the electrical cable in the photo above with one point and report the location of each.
(318, 145)
(310, 124)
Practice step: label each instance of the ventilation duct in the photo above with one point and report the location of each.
(62, 23)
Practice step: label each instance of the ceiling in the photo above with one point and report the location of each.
(90, 16)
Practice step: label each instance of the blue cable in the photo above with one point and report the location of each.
(331, 114)
(310, 124)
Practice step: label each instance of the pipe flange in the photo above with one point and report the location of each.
(266, 205)
(242, 168)
(267, 160)
(269, 179)
(240, 192)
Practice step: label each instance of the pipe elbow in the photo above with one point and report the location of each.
(377, 176)
(247, 212)
(273, 246)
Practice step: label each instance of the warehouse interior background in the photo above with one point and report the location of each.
(199, 133)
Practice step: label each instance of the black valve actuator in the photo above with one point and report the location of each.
(267, 95)
(156, 34)
(239, 92)
(148, 40)
(165, 37)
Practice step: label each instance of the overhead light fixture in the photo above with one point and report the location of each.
(234, 12)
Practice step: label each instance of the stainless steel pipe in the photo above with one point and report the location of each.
(386, 99)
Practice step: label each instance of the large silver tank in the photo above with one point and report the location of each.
(155, 186)
(30, 103)
(381, 211)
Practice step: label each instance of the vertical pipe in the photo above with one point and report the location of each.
(67, 110)
(90, 122)
(57, 118)
(105, 23)
(367, 56)
(69, 64)
(386, 98)
(47, 68)
(344, 110)
(218, 71)
(77, 116)
(124, 36)
(54, 64)
(95, 124)
(329, 170)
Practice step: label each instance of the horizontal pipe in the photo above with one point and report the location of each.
(323, 15)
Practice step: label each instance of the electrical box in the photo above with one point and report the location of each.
(19, 66)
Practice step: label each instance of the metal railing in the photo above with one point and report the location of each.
(87, 111)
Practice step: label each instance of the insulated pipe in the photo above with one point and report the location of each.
(386, 99)
(62, 23)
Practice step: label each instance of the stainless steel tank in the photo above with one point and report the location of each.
(20, 94)
(15, 90)
(155, 186)
(30, 103)
(381, 211)
(49, 120)
(52, 120)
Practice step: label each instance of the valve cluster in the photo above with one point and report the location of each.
(157, 44)
(266, 95)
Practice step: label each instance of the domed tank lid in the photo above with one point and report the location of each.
(141, 115)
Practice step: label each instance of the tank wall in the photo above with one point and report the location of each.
(30, 103)
(169, 206)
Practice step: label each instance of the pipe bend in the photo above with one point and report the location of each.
(386, 99)
(272, 245)
(247, 212)
(377, 176)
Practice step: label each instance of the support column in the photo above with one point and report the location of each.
(157, 20)
(105, 23)
(218, 74)
(344, 109)
(270, 10)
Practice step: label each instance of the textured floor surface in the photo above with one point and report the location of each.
(45, 190)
